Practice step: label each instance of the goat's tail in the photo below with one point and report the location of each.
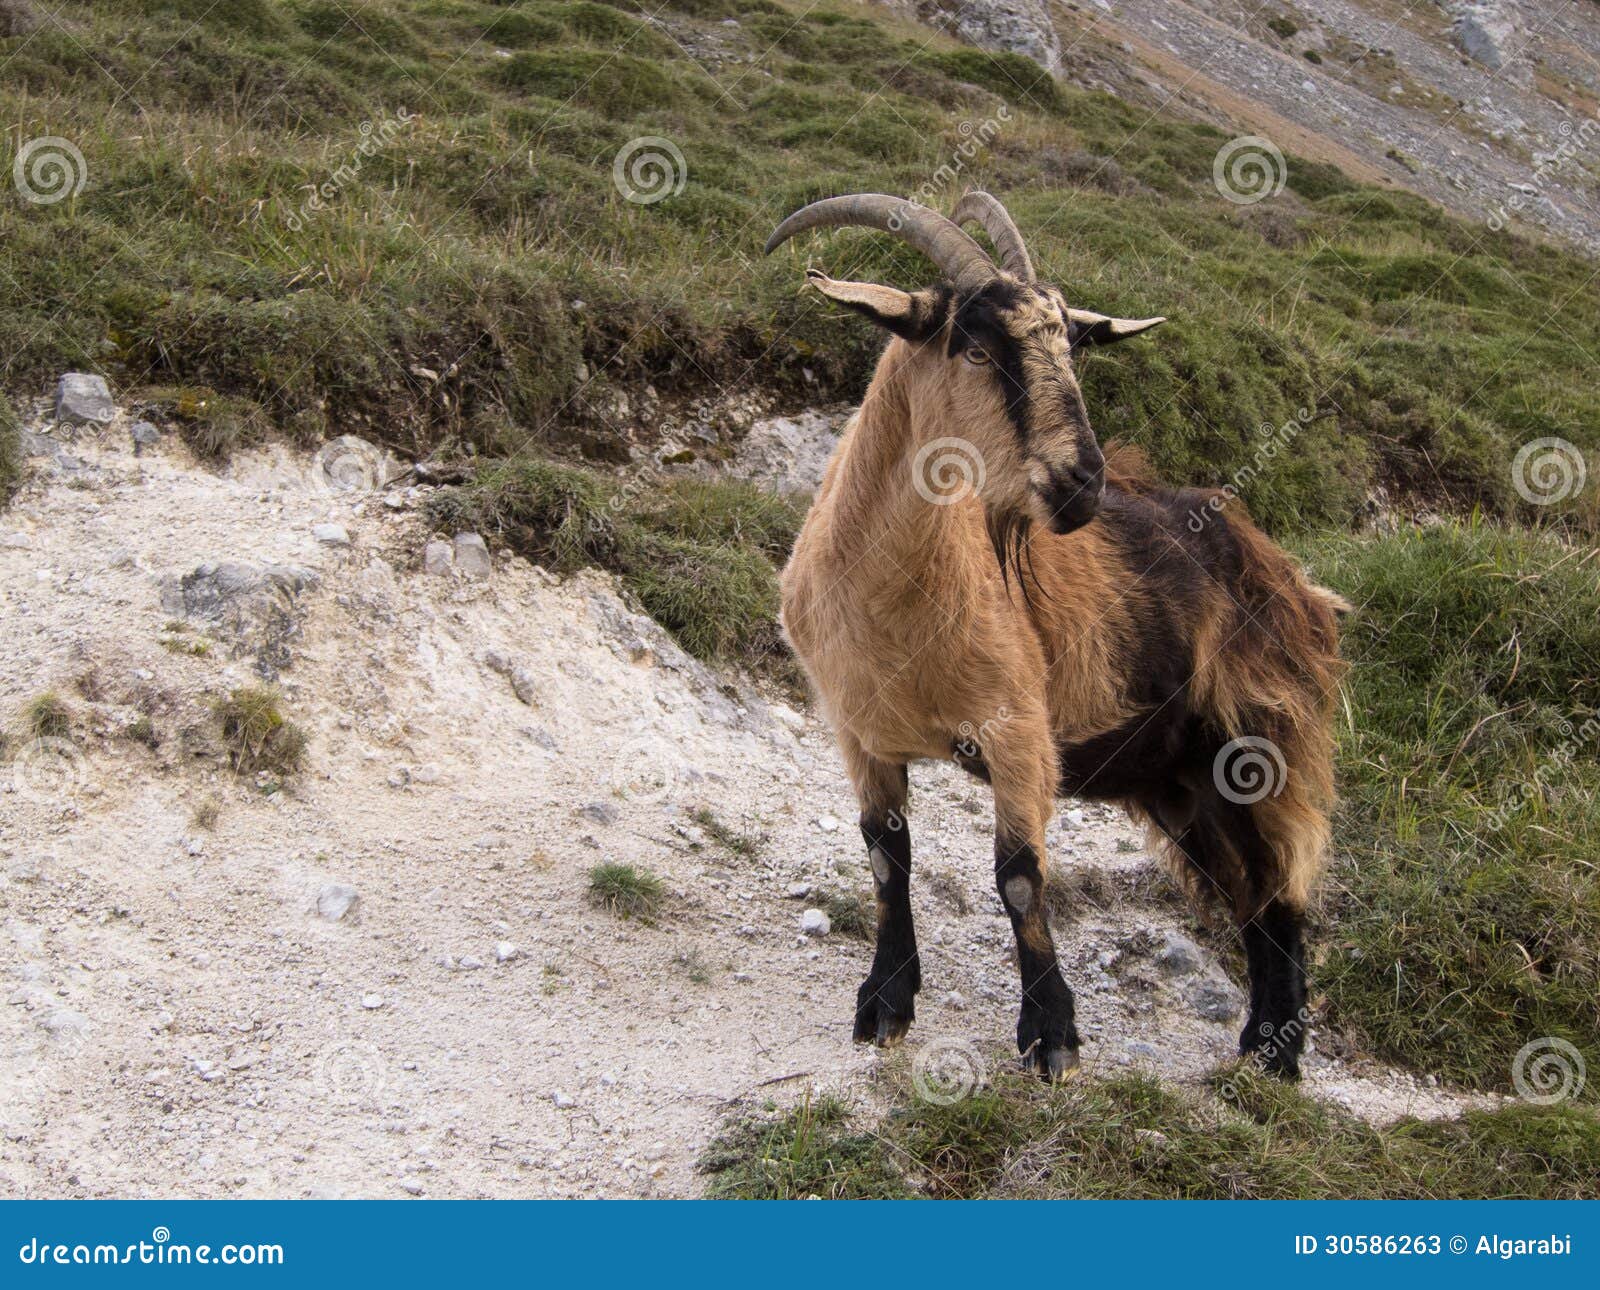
(1270, 688)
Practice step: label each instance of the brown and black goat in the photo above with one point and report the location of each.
(976, 579)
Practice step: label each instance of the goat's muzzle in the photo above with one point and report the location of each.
(1072, 497)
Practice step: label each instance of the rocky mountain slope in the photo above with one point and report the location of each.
(1488, 107)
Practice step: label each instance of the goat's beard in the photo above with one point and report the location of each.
(1008, 536)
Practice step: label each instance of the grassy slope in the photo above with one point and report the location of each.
(1128, 1137)
(189, 269)
(460, 244)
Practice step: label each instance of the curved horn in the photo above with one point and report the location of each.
(961, 259)
(985, 209)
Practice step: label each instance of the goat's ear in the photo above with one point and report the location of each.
(911, 315)
(1085, 328)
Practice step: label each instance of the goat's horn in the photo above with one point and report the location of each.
(961, 259)
(985, 209)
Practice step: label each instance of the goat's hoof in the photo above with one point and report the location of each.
(1055, 1065)
(1282, 1061)
(883, 1013)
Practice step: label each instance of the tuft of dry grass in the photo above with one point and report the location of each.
(627, 891)
(257, 735)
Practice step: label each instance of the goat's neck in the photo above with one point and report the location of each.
(878, 510)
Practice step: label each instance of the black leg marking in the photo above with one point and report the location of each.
(1275, 950)
(1046, 1035)
(885, 1002)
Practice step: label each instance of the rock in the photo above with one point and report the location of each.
(437, 558)
(1215, 1001)
(600, 812)
(788, 454)
(828, 823)
(84, 399)
(1486, 31)
(1011, 26)
(15, 542)
(798, 890)
(1178, 955)
(255, 608)
(505, 951)
(427, 773)
(64, 1025)
(195, 846)
(562, 1101)
(336, 899)
(371, 1002)
(411, 1186)
(788, 717)
(472, 556)
(469, 963)
(144, 435)
(1074, 817)
(331, 534)
(815, 923)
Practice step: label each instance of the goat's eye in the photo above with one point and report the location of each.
(976, 356)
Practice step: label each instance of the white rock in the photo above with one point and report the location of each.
(437, 558)
(828, 823)
(371, 1001)
(798, 890)
(336, 899)
(505, 951)
(472, 556)
(562, 1101)
(331, 534)
(815, 923)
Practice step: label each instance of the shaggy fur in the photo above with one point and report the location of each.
(1109, 648)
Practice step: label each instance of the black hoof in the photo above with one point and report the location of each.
(1276, 1051)
(1048, 1045)
(884, 1012)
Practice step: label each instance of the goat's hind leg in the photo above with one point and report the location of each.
(1233, 862)
(885, 1003)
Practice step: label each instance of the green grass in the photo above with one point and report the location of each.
(458, 231)
(1464, 917)
(11, 462)
(1131, 1137)
(47, 716)
(627, 891)
(741, 846)
(257, 736)
(700, 557)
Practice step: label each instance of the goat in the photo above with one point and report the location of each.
(977, 579)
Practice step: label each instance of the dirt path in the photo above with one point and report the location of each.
(181, 1020)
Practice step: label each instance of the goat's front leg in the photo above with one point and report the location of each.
(885, 1002)
(1022, 769)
